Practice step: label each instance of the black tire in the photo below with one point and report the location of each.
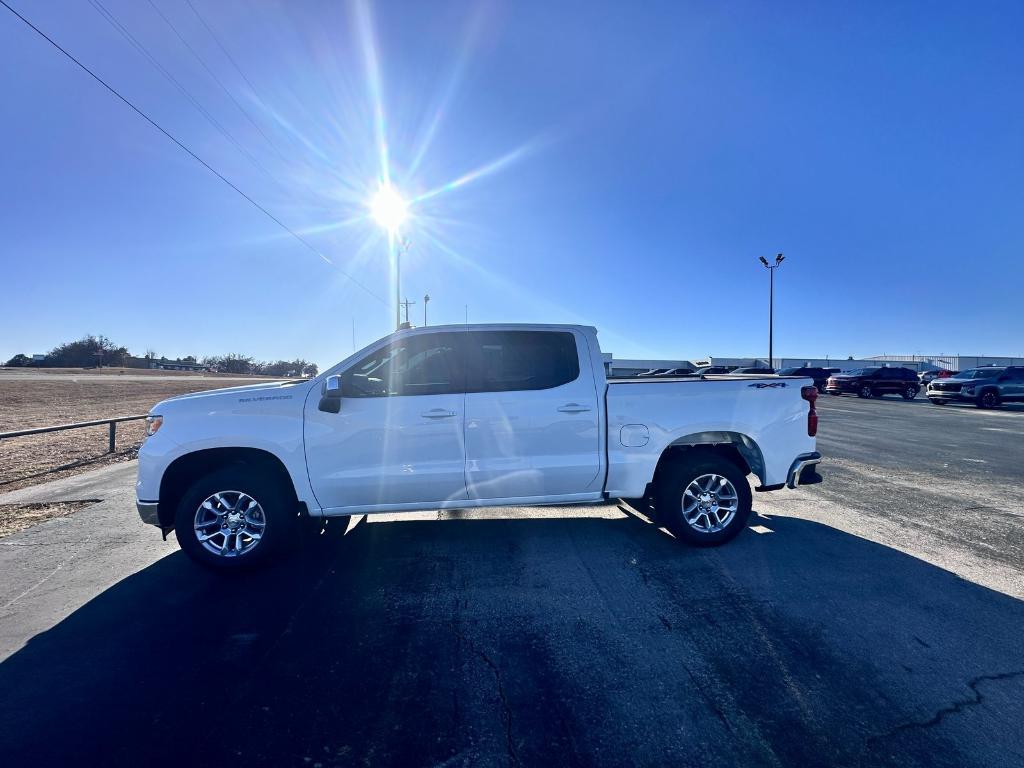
(910, 393)
(988, 399)
(865, 392)
(821, 389)
(279, 516)
(672, 484)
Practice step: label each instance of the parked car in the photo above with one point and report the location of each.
(927, 377)
(820, 375)
(677, 372)
(875, 382)
(714, 370)
(449, 417)
(986, 387)
(754, 370)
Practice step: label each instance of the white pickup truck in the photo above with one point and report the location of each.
(450, 417)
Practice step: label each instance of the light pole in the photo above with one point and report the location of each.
(426, 300)
(771, 300)
(390, 211)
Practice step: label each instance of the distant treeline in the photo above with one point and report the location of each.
(99, 351)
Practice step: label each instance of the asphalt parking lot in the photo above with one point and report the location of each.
(875, 619)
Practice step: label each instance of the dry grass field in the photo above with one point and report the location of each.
(40, 399)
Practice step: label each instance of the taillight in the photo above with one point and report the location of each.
(810, 394)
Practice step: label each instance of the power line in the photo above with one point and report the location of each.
(194, 156)
(122, 30)
(213, 75)
(224, 50)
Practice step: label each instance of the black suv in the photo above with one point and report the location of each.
(985, 387)
(820, 375)
(875, 382)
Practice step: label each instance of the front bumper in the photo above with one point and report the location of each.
(804, 470)
(949, 395)
(149, 512)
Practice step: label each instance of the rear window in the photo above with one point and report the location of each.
(506, 361)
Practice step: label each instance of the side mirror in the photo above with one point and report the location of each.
(330, 395)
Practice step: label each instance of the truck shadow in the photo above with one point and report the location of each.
(528, 641)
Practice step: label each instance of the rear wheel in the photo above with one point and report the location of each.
(865, 391)
(988, 399)
(910, 393)
(234, 518)
(704, 500)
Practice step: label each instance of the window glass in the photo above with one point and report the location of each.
(429, 364)
(505, 361)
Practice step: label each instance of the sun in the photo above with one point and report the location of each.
(388, 208)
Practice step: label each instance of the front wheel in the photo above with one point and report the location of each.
(234, 518)
(704, 500)
(910, 393)
(865, 392)
(988, 399)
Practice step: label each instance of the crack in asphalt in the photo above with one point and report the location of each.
(506, 710)
(955, 708)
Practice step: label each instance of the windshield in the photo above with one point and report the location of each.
(859, 372)
(980, 373)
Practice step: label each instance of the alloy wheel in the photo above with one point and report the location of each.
(230, 523)
(710, 503)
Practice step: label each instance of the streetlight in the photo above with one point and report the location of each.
(771, 299)
(390, 211)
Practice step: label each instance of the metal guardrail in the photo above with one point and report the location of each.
(79, 425)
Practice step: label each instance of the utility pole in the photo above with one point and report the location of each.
(771, 300)
(405, 305)
(426, 300)
(401, 246)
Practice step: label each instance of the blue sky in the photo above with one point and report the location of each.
(627, 163)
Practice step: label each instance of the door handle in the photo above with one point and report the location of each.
(574, 408)
(437, 413)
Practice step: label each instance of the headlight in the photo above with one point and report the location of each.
(966, 390)
(153, 424)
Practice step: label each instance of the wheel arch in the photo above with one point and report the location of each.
(737, 447)
(186, 469)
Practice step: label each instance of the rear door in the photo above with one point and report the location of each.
(532, 416)
(1013, 387)
(889, 381)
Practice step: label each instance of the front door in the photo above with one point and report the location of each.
(398, 438)
(532, 416)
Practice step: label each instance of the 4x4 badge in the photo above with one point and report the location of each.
(771, 384)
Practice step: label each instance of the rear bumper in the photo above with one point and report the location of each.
(149, 512)
(804, 470)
